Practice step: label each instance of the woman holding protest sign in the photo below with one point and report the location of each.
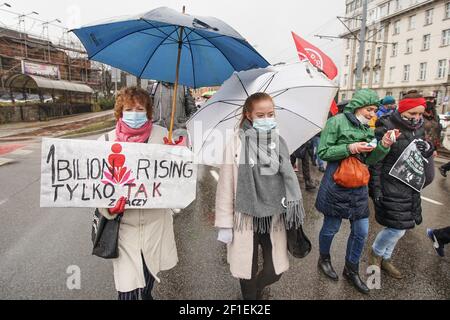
(348, 145)
(399, 178)
(258, 198)
(146, 243)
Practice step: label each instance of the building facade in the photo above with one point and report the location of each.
(407, 47)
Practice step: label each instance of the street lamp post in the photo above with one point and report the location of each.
(362, 47)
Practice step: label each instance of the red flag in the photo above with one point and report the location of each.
(307, 51)
(334, 108)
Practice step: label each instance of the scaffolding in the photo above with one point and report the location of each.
(67, 55)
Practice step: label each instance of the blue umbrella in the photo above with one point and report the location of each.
(206, 50)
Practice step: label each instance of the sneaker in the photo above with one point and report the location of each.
(438, 247)
(443, 172)
(322, 169)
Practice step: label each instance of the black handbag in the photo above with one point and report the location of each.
(105, 236)
(298, 243)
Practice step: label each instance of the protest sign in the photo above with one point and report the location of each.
(410, 168)
(95, 174)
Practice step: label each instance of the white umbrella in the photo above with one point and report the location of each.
(302, 97)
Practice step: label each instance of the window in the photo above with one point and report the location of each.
(426, 42)
(379, 51)
(368, 55)
(365, 77)
(391, 74)
(347, 60)
(442, 68)
(423, 71)
(446, 37)
(345, 80)
(429, 17)
(394, 49)
(344, 96)
(406, 72)
(447, 10)
(348, 44)
(409, 46)
(376, 76)
(397, 27)
(412, 22)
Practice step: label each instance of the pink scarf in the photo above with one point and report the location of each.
(126, 134)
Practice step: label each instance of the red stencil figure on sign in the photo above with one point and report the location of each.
(117, 172)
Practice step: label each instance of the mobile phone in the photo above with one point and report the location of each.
(373, 143)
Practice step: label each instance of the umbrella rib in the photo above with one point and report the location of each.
(202, 38)
(234, 68)
(297, 87)
(188, 34)
(226, 118)
(154, 35)
(270, 82)
(307, 120)
(192, 58)
(116, 40)
(153, 53)
(213, 103)
(242, 84)
(158, 28)
(128, 34)
(202, 45)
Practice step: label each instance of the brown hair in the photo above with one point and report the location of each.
(413, 94)
(129, 96)
(250, 102)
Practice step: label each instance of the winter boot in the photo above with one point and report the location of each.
(391, 270)
(374, 260)
(326, 267)
(351, 273)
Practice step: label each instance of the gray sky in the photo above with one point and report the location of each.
(265, 24)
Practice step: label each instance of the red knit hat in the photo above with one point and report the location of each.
(411, 103)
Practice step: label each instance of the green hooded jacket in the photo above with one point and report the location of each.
(344, 130)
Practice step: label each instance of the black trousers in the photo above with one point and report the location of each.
(144, 293)
(251, 289)
(305, 166)
(446, 167)
(443, 235)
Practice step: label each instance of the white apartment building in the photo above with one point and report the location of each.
(407, 47)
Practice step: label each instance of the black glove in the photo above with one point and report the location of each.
(425, 148)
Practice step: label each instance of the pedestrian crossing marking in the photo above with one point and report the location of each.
(215, 175)
(4, 161)
(21, 152)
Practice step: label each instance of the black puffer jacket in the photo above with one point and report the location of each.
(397, 205)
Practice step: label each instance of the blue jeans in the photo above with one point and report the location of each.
(316, 159)
(386, 241)
(356, 240)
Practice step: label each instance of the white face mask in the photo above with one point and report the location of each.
(362, 119)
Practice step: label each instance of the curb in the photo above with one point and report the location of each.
(84, 134)
(98, 118)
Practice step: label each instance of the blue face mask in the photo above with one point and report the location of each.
(135, 120)
(266, 124)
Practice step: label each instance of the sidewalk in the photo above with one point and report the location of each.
(29, 130)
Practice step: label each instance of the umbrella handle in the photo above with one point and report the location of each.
(175, 88)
